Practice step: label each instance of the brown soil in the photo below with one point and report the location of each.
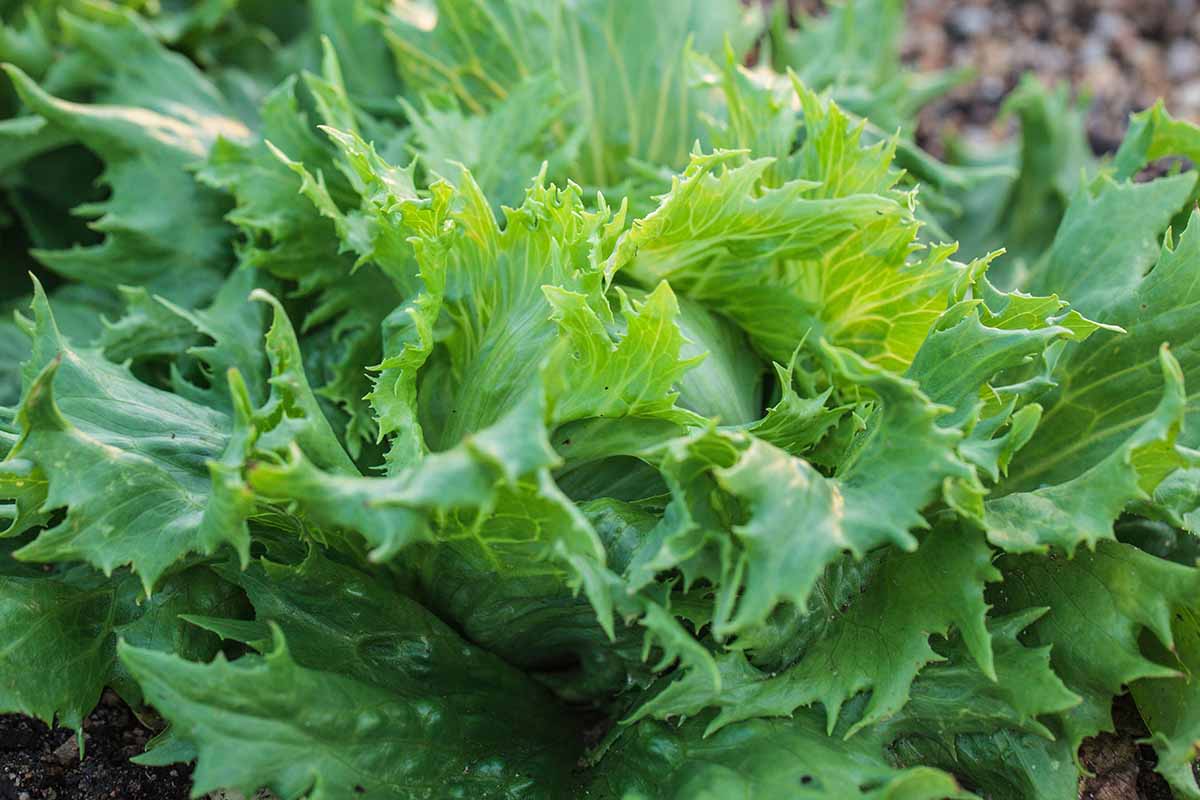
(39, 763)
(1121, 768)
(1122, 54)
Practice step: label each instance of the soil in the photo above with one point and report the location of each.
(39, 763)
(1121, 54)
(1121, 768)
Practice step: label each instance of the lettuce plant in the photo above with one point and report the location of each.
(499, 399)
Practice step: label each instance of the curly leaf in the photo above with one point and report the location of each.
(1100, 602)
(136, 468)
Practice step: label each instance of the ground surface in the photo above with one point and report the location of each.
(1124, 54)
(37, 763)
(1121, 768)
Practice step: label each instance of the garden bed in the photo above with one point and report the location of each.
(1120, 54)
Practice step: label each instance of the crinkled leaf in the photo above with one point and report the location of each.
(769, 759)
(1100, 603)
(60, 635)
(1097, 266)
(287, 237)
(588, 375)
(956, 697)
(156, 117)
(332, 736)
(1154, 134)
(796, 423)
(132, 465)
(369, 631)
(291, 413)
(1111, 383)
(881, 640)
(393, 512)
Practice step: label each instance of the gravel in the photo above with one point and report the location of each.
(1121, 54)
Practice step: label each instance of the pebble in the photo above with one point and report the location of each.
(1183, 59)
(1110, 26)
(67, 753)
(970, 20)
(1188, 100)
(1093, 50)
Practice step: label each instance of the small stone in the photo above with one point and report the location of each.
(1183, 59)
(1110, 26)
(1093, 50)
(66, 753)
(991, 88)
(1187, 99)
(969, 21)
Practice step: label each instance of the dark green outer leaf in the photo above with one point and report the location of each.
(1100, 603)
(131, 464)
